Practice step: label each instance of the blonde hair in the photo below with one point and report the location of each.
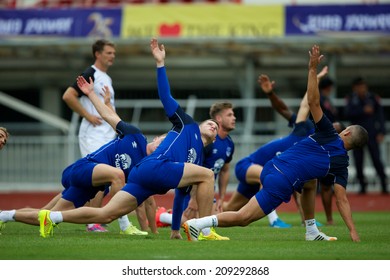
(217, 108)
(5, 131)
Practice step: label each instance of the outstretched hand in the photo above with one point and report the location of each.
(85, 87)
(106, 95)
(157, 51)
(265, 83)
(323, 73)
(315, 57)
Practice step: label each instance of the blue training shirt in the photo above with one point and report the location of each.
(317, 156)
(218, 153)
(274, 148)
(124, 152)
(183, 142)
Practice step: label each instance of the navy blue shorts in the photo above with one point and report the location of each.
(243, 188)
(77, 181)
(247, 190)
(276, 189)
(153, 176)
(241, 169)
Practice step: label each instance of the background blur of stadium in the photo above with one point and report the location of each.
(216, 50)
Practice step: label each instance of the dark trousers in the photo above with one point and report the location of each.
(373, 148)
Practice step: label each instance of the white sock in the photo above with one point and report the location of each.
(7, 216)
(272, 217)
(166, 218)
(206, 231)
(124, 222)
(206, 222)
(56, 217)
(311, 227)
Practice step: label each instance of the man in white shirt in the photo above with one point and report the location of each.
(94, 132)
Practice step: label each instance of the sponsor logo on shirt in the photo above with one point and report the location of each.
(191, 158)
(219, 163)
(122, 161)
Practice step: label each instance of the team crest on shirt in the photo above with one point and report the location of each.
(228, 151)
(122, 161)
(215, 151)
(219, 163)
(191, 158)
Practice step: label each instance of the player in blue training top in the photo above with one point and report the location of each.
(217, 157)
(174, 164)
(110, 165)
(248, 169)
(323, 154)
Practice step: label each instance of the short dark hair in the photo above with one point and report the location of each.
(325, 82)
(99, 45)
(358, 81)
(359, 137)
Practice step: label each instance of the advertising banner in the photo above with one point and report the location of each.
(202, 21)
(310, 20)
(102, 23)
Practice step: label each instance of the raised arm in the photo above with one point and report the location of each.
(164, 91)
(304, 108)
(313, 93)
(107, 113)
(278, 104)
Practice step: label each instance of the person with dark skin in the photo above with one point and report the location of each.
(364, 108)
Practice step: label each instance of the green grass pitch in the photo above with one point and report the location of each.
(256, 242)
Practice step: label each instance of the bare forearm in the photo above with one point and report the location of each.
(279, 105)
(103, 110)
(345, 211)
(73, 102)
(222, 183)
(313, 95)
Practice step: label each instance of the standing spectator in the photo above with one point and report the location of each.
(364, 108)
(94, 132)
(3, 137)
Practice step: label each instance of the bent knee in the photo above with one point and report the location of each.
(209, 174)
(244, 218)
(119, 176)
(108, 218)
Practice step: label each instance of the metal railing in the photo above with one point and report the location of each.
(36, 163)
